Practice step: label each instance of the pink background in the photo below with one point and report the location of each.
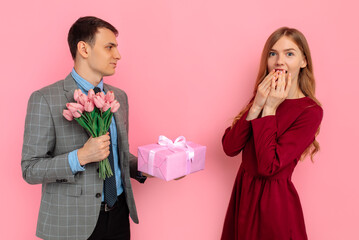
(188, 67)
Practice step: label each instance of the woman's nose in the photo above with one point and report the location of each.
(280, 59)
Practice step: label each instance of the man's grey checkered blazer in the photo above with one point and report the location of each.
(70, 204)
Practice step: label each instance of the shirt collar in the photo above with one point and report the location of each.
(83, 84)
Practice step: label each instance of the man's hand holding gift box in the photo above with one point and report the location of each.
(170, 160)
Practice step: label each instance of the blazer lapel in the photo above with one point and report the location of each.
(120, 124)
(121, 131)
(69, 88)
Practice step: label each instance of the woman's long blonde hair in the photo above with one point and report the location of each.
(306, 79)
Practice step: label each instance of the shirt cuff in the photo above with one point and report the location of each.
(74, 162)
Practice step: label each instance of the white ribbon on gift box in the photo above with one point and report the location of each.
(179, 143)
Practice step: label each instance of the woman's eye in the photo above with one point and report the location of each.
(272, 54)
(290, 54)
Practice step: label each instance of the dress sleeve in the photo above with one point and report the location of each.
(274, 153)
(236, 137)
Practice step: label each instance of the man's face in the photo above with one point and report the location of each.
(103, 55)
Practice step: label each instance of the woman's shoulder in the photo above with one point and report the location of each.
(312, 106)
(309, 109)
(304, 103)
(299, 108)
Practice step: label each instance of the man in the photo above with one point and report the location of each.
(60, 155)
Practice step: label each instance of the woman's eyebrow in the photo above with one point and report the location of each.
(289, 49)
(285, 50)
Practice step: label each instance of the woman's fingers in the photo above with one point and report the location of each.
(273, 83)
(263, 90)
(282, 82)
(289, 84)
(278, 85)
(266, 79)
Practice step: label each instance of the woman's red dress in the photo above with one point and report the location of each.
(264, 204)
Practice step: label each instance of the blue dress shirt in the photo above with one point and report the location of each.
(75, 166)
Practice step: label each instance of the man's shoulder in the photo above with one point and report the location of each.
(52, 87)
(52, 91)
(57, 87)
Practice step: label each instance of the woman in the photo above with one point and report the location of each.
(276, 129)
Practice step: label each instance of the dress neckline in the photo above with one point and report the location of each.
(291, 99)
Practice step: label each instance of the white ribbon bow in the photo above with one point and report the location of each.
(180, 142)
(167, 143)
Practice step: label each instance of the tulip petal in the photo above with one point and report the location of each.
(67, 114)
(115, 106)
(110, 96)
(91, 94)
(106, 106)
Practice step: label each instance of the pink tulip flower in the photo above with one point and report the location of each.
(77, 93)
(115, 105)
(91, 94)
(99, 101)
(82, 99)
(89, 106)
(106, 106)
(110, 96)
(76, 114)
(75, 107)
(67, 114)
(101, 94)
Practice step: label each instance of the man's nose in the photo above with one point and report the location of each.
(117, 54)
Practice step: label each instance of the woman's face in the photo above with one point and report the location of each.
(286, 56)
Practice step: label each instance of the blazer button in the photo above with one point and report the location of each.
(98, 170)
(98, 195)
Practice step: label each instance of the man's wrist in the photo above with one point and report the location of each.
(80, 157)
(74, 162)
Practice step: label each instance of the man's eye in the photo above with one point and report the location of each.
(109, 47)
(272, 54)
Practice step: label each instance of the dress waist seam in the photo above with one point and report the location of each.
(260, 177)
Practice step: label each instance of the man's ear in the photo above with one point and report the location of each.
(83, 49)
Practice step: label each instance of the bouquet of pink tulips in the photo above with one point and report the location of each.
(94, 113)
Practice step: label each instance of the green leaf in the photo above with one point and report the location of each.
(94, 125)
(101, 126)
(105, 114)
(93, 113)
(108, 121)
(85, 125)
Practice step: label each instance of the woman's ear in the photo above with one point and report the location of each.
(82, 49)
(304, 63)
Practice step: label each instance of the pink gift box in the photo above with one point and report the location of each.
(170, 162)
